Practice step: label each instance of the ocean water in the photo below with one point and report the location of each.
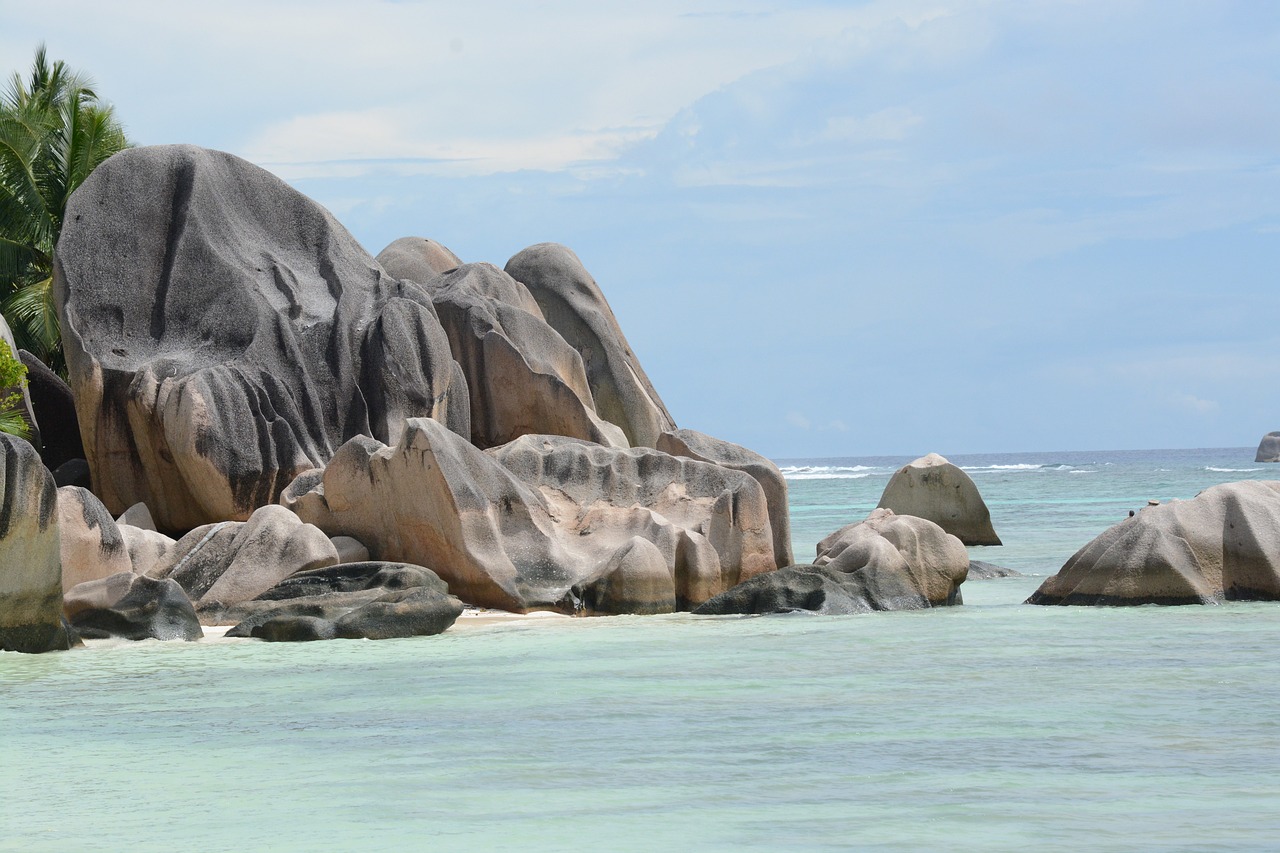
(992, 726)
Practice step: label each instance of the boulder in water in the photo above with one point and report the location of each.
(887, 562)
(1269, 448)
(133, 607)
(1223, 544)
(933, 488)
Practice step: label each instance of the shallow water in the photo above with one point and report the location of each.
(991, 726)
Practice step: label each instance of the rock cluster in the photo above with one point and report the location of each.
(933, 488)
(1224, 544)
(886, 562)
(316, 443)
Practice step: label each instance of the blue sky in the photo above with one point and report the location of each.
(827, 229)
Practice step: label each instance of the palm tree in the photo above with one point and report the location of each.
(53, 132)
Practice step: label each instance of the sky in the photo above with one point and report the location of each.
(826, 228)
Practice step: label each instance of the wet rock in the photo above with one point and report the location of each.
(150, 608)
(573, 304)
(371, 600)
(519, 527)
(933, 488)
(887, 562)
(224, 333)
(1223, 544)
(30, 563)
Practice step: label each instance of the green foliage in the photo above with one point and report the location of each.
(53, 132)
(13, 377)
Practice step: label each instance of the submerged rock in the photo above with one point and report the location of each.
(981, 571)
(133, 607)
(30, 565)
(933, 488)
(1223, 544)
(533, 524)
(574, 306)
(224, 333)
(370, 600)
(886, 562)
(1269, 448)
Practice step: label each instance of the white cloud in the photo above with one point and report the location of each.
(798, 420)
(1195, 404)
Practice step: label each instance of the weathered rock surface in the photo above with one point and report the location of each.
(137, 516)
(150, 552)
(696, 445)
(350, 550)
(933, 488)
(92, 545)
(235, 561)
(523, 526)
(1269, 448)
(30, 564)
(224, 333)
(887, 562)
(1222, 544)
(417, 259)
(55, 408)
(574, 306)
(980, 570)
(522, 376)
(133, 607)
(370, 600)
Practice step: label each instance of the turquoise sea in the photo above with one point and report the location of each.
(992, 726)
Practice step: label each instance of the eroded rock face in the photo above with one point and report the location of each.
(933, 488)
(1269, 448)
(887, 562)
(574, 306)
(696, 445)
(92, 545)
(235, 561)
(1222, 544)
(30, 564)
(535, 524)
(224, 333)
(370, 600)
(417, 259)
(522, 376)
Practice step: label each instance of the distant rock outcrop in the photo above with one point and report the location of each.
(545, 522)
(30, 565)
(1269, 448)
(574, 306)
(886, 562)
(1222, 544)
(933, 488)
(224, 333)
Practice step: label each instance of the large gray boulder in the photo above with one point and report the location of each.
(887, 562)
(369, 600)
(234, 561)
(1269, 448)
(933, 488)
(30, 565)
(536, 524)
(224, 333)
(523, 378)
(574, 306)
(696, 445)
(133, 607)
(1222, 544)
